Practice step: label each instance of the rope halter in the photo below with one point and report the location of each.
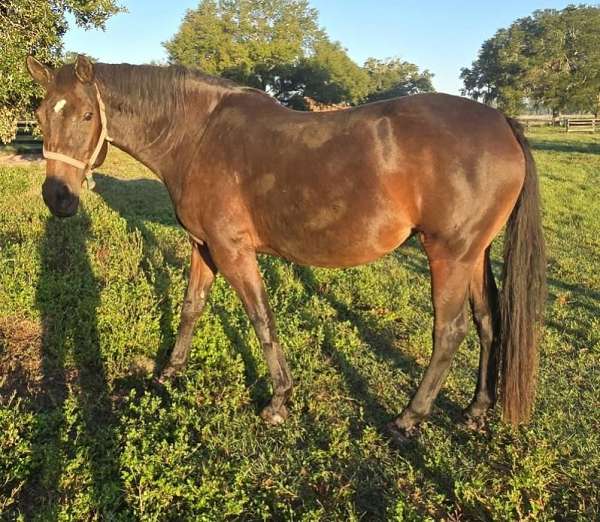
(89, 164)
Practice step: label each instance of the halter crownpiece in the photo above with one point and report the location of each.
(85, 166)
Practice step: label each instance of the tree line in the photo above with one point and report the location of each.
(549, 60)
(278, 46)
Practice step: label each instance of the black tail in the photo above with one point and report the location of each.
(523, 295)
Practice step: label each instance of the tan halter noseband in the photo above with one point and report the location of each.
(85, 166)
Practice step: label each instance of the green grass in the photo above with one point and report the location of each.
(87, 305)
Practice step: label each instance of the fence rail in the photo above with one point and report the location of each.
(582, 124)
(535, 122)
(570, 122)
(26, 141)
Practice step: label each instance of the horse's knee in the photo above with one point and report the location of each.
(459, 327)
(449, 335)
(485, 326)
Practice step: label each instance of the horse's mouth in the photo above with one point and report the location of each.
(65, 214)
(66, 211)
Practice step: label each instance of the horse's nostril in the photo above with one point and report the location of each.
(59, 198)
(63, 193)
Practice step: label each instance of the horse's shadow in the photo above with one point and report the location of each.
(141, 203)
(73, 405)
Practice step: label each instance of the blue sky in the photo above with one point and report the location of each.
(441, 36)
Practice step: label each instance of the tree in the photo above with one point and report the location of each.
(551, 58)
(248, 41)
(278, 46)
(565, 70)
(71, 57)
(393, 78)
(327, 76)
(36, 27)
(497, 76)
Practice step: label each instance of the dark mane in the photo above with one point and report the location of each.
(139, 89)
(147, 87)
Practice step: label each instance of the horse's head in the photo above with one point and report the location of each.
(72, 120)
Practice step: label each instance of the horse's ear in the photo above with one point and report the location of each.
(84, 69)
(41, 73)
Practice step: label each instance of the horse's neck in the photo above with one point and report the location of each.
(161, 140)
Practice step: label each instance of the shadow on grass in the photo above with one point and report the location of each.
(410, 255)
(142, 201)
(74, 408)
(258, 388)
(557, 287)
(375, 414)
(380, 342)
(588, 147)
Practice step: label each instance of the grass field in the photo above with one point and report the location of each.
(89, 304)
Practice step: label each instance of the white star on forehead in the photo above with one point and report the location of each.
(60, 105)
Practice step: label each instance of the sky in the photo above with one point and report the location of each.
(441, 36)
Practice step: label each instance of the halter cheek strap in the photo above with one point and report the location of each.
(89, 164)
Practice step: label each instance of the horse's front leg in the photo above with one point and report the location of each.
(240, 269)
(202, 274)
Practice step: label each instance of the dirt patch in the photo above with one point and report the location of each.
(27, 372)
(23, 373)
(20, 357)
(12, 159)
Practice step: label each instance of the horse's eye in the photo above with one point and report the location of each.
(87, 116)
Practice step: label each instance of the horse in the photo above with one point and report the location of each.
(247, 175)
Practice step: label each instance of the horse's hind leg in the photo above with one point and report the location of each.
(449, 284)
(483, 296)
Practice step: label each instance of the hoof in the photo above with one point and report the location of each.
(474, 423)
(167, 374)
(274, 417)
(402, 436)
(474, 417)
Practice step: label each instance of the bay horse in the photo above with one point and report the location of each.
(247, 175)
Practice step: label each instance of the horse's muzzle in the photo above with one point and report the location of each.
(59, 198)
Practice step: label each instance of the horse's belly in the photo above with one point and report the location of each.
(333, 216)
(348, 242)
